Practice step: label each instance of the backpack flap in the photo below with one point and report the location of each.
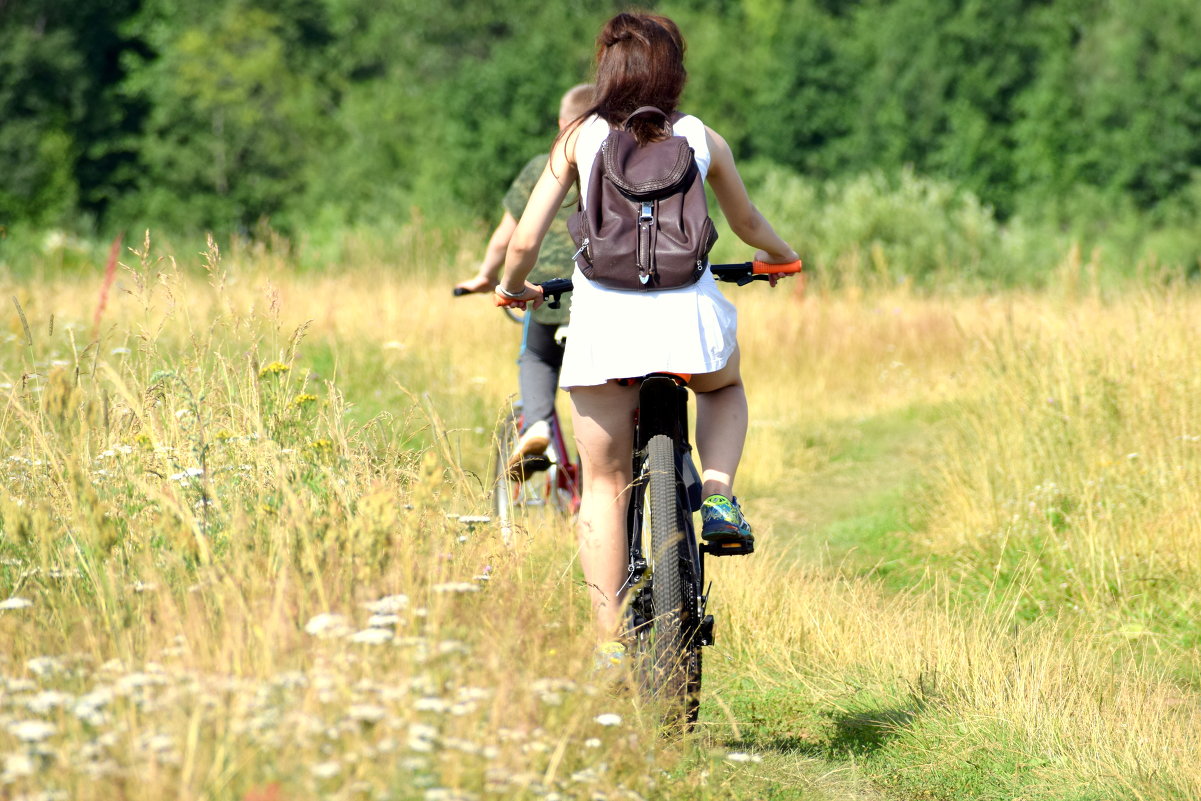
(644, 224)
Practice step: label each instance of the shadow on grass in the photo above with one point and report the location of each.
(838, 735)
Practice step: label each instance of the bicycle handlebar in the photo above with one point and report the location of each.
(741, 274)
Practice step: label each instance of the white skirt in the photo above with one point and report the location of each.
(618, 334)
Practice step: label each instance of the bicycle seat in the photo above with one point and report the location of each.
(683, 378)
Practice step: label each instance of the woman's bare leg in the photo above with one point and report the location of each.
(603, 419)
(721, 423)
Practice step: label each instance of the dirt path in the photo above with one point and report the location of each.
(842, 515)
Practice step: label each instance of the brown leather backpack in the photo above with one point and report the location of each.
(646, 223)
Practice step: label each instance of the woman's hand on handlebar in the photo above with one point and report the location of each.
(530, 293)
(788, 258)
(480, 283)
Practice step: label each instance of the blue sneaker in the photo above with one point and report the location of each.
(723, 527)
(609, 655)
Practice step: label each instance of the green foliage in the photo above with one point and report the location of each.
(325, 114)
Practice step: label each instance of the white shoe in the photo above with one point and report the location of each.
(532, 442)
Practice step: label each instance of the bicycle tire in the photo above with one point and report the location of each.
(674, 651)
(504, 487)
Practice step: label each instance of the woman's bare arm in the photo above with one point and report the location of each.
(746, 221)
(545, 201)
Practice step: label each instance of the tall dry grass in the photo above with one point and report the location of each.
(235, 566)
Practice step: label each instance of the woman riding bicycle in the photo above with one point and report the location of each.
(617, 334)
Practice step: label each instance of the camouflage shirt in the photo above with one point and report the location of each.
(554, 258)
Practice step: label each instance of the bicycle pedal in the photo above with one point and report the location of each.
(728, 548)
(529, 465)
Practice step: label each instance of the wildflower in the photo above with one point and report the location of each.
(44, 665)
(326, 770)
(31, 731)
(46, 701)
(608, 719)
(320, 446)
(274, 368)
(455, 587)
(592, 742)
(327, 625)
(585, 776)
(432, 704)
(304, 399)
(372, 636)
(394, 345)
(15, 603)
(366, 713)
(89, 706)
(186, 476)
(383, 621)
(422, 737)
(18, 766)
(443, 794)
(138, 681)
(739, 756)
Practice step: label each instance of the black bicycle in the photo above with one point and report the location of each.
(667, 622)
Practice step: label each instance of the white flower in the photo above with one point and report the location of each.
(47, 700)
(327, 625)
(15, 603)
(421, 737)
(592, 742)
(18, 766)
(372, 636)
(138, 680)
(608, 719)
(31, 731)
(388, 605)
(326, 770)
(443, 794)
(456, 586)
(739, 756)
(383, 621)
(44, 665)
(366, 713)
(437, 705)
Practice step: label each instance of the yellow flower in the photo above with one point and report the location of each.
(320, 446)
(303, 400)
(274, 368)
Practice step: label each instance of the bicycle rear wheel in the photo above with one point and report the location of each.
(505, 488)
(674, 658)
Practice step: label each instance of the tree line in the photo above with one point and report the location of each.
(234, 113)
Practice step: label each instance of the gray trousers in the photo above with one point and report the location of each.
(538, 371)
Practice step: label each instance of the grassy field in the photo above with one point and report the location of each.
(232, 564)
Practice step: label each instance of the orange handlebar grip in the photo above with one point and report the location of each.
(762, 267)
(499, 301)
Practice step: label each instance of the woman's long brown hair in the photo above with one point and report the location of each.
(639, 62)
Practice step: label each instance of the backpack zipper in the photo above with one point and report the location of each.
(646, 219)
(583, 247)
